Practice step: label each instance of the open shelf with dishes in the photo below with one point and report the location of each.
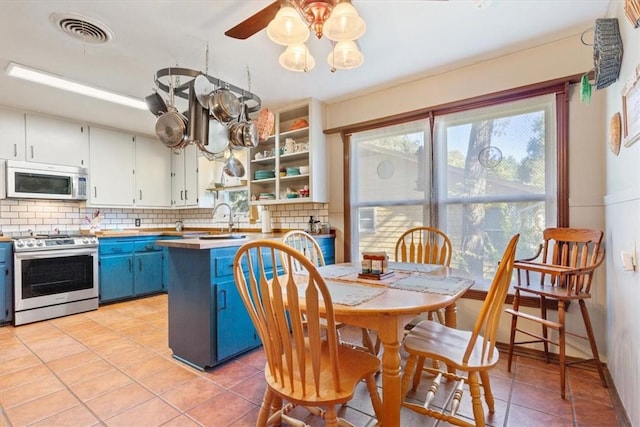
(290, 165)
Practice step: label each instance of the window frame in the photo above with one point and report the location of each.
(560, 87)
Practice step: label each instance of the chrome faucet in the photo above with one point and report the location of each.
(230, 228)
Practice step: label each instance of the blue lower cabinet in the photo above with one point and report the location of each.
(327, 245)
(6, 282)
(131, 267)
(116, 277)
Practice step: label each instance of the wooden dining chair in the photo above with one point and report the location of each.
(467, 354)
(305, 243)
(303, 368)
(566, 263)
(424, 245)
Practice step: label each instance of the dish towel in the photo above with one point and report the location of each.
(253, 214)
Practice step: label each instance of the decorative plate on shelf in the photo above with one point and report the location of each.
(614, 133)
(266, 120)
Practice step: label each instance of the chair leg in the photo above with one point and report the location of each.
(376, 402)
(474, 387)
(561, 345)
(331, 416)
(488, 395)
(592, 340)
(514, 324)
(406, 375)
(366, 342)
(265, 408)
(545, 331)
(417, 376)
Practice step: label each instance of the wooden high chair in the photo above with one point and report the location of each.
(568, 258)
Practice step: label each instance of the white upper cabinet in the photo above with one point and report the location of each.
(111, 166)
(291, 165)
(185, 177)
(153, 173)
(56, 141)
(11, 135)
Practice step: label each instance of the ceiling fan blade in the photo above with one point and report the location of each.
(254, 23)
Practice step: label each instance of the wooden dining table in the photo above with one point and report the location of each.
(387, 305)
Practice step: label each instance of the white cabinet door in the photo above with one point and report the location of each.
(56, 141)
(12, 137)
(191, 175)
(111, 165)
(185, 177)
(153, 173)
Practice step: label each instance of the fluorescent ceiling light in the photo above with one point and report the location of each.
(37, 76)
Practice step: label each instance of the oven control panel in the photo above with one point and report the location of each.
(34, 243)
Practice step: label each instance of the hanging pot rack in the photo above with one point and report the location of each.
(181, 90)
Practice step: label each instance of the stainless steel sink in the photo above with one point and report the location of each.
(222, 236)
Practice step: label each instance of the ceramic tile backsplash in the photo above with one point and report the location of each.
(23, 216)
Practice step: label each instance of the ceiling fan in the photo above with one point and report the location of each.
(254, 23)
(312, 10)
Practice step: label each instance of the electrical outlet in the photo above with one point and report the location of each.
(137, 222)
(628, 263)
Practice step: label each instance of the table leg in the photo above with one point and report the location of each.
(390, 333)
(451, 316)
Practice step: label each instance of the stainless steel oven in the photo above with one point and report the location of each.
(54, 276)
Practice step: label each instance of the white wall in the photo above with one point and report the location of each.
(622, 213)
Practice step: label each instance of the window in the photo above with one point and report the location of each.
(238, 199)
(486, 174)
(367, 220)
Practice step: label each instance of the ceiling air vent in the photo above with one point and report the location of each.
(82, 27)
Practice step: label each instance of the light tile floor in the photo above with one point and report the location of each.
(113, 367)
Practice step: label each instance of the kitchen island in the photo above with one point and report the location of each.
(208, 323)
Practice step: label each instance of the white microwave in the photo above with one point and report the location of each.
(27, 180)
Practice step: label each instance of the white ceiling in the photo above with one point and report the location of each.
(405, 40)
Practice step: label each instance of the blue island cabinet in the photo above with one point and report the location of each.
(208, 322)
(6, 282)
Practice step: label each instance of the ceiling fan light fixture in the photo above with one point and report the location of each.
(287, 28)
(344, 24)
(297, 58)
(345, 56)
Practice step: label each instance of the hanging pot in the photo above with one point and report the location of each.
(233, 167)
(243, 135)
(171, 128)
(224, 106)
(156, 104)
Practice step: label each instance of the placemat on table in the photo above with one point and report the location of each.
(450, 285)
(334, 271)
(414, 266)
(351, 294)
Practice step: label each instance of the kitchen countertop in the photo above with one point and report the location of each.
(197, 243)
(194, 242)
(250, 235)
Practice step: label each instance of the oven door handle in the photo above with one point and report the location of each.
(54, 253)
